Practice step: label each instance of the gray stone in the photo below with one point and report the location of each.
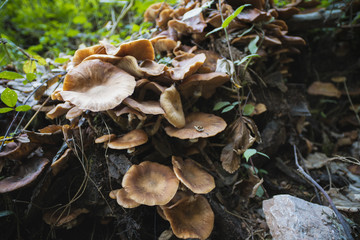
(292, 218)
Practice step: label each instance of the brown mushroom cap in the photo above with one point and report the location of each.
(170, 101)
(131, 139)
(141, 49)
(105, 138)
(150, 183)
(81, 54)
(198, 125)
(59, 110)
(123, 199)
(74, 113)
(147, 107)
(192, 175)
(97, 86)
(26, 174)
(185, 65)
(206, 83)
(153, 11)
(192, 218)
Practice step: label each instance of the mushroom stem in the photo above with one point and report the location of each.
(118, 120)
(156, 126)
(212, 166)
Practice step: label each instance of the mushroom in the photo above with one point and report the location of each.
(141, 49)
(97, 86)
(191, 218)
(105, 138)
(204, 83)
(192, 175)
(59, 110)
(60, 218)
(170, 101)
(147, 107)
(123, 199)
(150, 183)
(185, 65)
(132, 139)
(26, 174)
(81, 54)
(61, 162)
(198, 125)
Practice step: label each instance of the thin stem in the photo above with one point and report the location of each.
(337, 213)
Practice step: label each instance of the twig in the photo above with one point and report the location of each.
(121, 16)
(337, 213)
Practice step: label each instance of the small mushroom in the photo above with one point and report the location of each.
(141, 49)
(150, 183)
(59, 110)
(123, 199)
(81, 54)
(147, 107)
(192, 218)
(192, 175)
(132, 139)
(105, 138)
(185, 65)
(198, 125)
(170, 101)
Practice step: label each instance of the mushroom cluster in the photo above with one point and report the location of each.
(126, 84)
(259, 20)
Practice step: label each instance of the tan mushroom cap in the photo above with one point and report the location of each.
(97, 86)
(170, 101)
(141, 49)
(163, 44)
(150, 183)
(198, 125)
(164, 17)
(131, 139)
(192, 218)
(59, 110)
(122, 198)
(206, 83)
(147, 107)
(61, 163)
(105, 138)
(104, 57)
(74, 113)
(186, 65)
(153, 11)
(56, 95)
(81, 54)
(192, 175)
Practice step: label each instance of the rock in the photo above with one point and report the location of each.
(289, 217)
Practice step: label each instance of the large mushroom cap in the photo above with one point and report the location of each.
(150, 183)
(192, 218)
(170, 101)
(198, 125)
(97, 86)
(192, 175)
(131, 139)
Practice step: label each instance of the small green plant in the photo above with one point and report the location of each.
(228, 20)
(251, 152)
(9, 98)
(226, 106)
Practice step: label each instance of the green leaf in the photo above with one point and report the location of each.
(9, 97)
(235, 103)
(40, 59)
(61, 60)
(220, 105)
(263, 154)
(260, 191)
(228, 108)
(249, 153)
(72, 33)
(227, 21)
(244, 59)
(10, 75)
(30, 76)
(5, 213)
(5, 110)
(214, 31)
(79, 19)
(29, 66)
(252, 45)
(248, 109)
(22, 108)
